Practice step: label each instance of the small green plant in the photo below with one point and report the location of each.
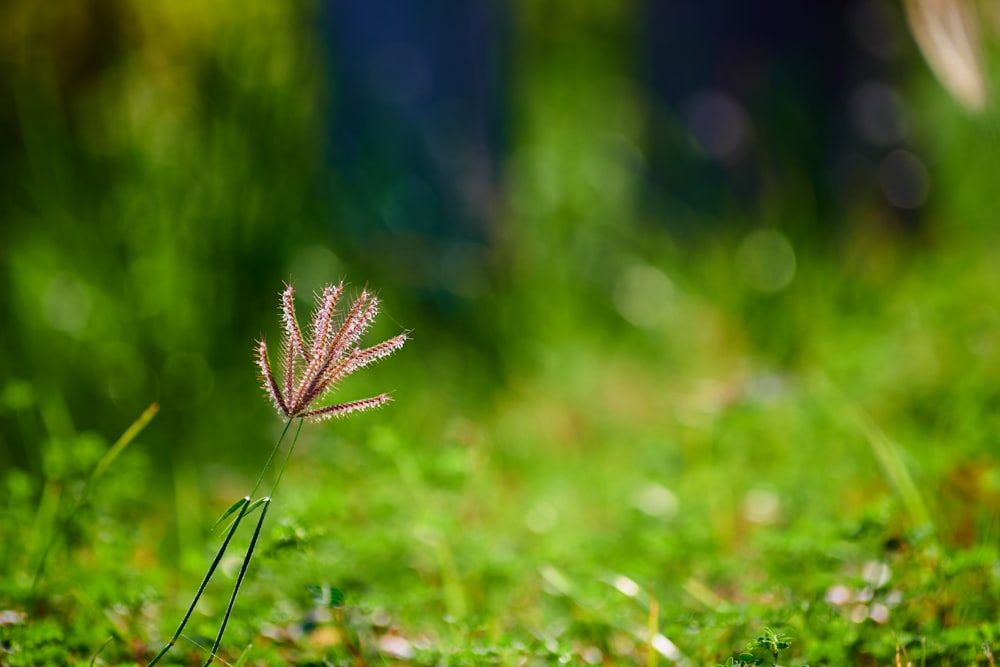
(314, 363)
(761, 651)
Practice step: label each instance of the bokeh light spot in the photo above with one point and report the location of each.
(655, 500)
(838, 595)
(876, 573)
(591, 655)
(541, 518)
(667, 648)
(67, 304)
(719, 126)
(762, 506)
(859, 613)
(396, 646)
(766, 261)
(879, 613)
(877, 114)
(626, 586)
(644, 295)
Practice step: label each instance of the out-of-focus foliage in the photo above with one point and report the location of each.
(157, 164)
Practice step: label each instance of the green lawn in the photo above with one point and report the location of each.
(629, 495)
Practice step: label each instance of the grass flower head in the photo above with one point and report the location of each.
(315, 361)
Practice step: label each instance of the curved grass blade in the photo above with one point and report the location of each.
(236, 506)
(123, 441)
(93, 658)
(243, 656)
(229, 512)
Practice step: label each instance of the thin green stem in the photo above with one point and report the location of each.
(653, 629)
(270, 457)
(245, 506)
(239, 581)
(291, 448)
(208, 576)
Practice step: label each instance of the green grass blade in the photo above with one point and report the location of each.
(93, 658)
(236, 506)
(123, 441)
(229, 512)
(243, 656)
(102, 466)
(887, 452)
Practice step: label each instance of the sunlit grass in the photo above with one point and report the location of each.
(822, 496)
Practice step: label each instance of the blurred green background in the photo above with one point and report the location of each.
(666, 297)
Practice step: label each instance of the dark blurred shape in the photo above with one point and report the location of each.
(904, 179)
(70, 45)
(416, 134)
(774, 103)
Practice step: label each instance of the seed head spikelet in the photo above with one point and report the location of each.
(327, 356)
(294, 347)
(267, 378)
(344, 409)
(315, 366)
